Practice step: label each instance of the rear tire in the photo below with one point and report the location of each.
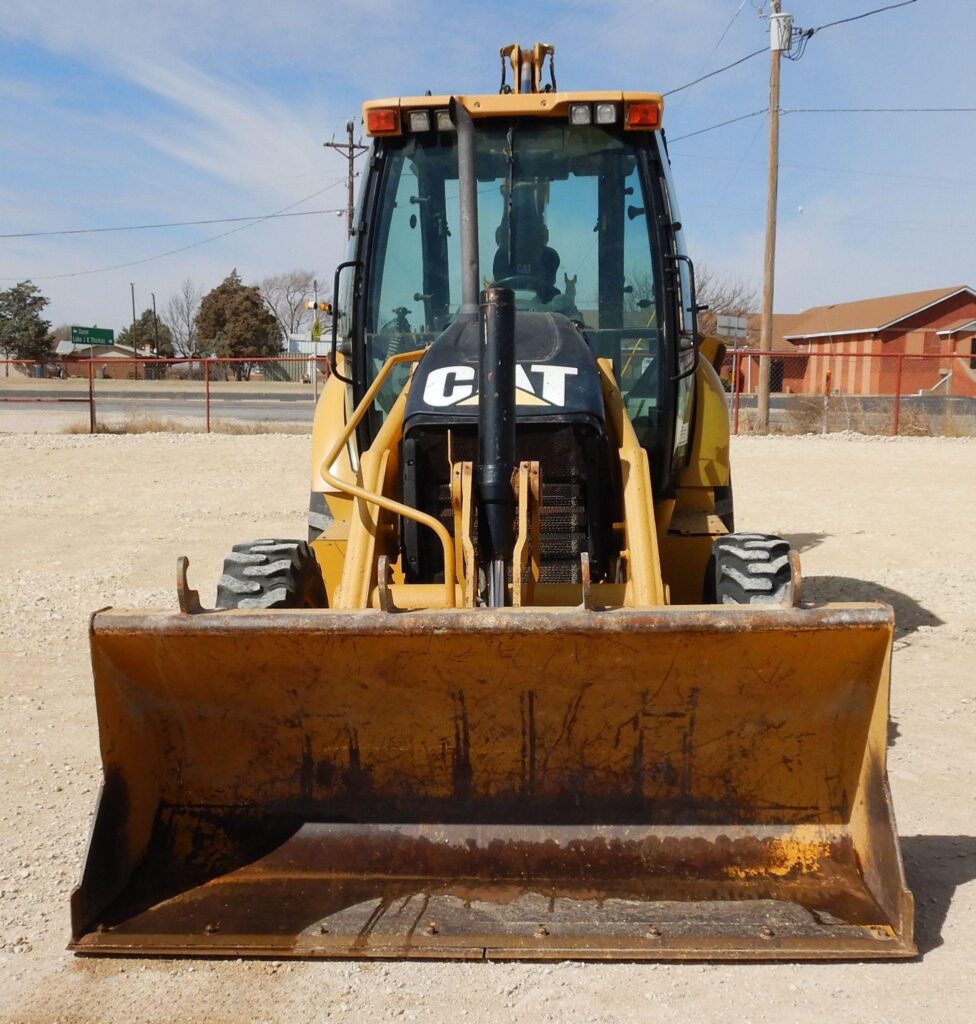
(271, 574)
(750, 568)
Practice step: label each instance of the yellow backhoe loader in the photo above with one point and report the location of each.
(524, 692)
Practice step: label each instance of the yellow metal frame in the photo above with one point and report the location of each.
(645, 585)
(372, 475)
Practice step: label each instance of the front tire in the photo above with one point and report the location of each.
(753, 569)
(271, 574)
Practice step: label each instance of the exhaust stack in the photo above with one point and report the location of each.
(496, 436)
(468, 194)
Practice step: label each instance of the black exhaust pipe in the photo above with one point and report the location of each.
(468, 195)
(496, 437)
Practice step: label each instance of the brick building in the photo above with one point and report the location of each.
(109, 360)
(940, 323)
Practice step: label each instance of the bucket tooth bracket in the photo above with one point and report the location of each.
(189, 599)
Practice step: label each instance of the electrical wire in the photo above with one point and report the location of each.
(828, 110)
(801, 36)
(171, 252)
(715, 48)
(865, 14)
(721, 124)
(798, 43)
(878, 110)
(718, 71)
(171, 224)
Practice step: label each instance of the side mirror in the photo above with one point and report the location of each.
(692, 308)
(335, 318)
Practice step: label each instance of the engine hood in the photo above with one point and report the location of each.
(556, 376)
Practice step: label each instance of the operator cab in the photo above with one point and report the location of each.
(575, 215)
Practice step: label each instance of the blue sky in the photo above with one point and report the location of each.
(117, 113)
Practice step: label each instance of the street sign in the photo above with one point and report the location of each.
(732, 326)
(92, 336)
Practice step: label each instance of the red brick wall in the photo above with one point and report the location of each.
(915, 335)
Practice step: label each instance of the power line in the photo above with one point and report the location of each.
(718, 71)
(171, 252)
(172, 224)
(721, 38)
(737, 168)
(721, 124)
(803, 34)
(865, 14)
(908, 179)
(714, 50)
(878, 110)
(830, 110)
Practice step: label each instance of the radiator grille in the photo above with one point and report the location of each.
(564, 528)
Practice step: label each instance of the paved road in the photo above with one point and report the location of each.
(255, 407)
(276, 410)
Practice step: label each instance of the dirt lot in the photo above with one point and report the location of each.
(91, 521)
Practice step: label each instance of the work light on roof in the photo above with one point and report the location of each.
(606, 113)
(419, 120)
(580, 114)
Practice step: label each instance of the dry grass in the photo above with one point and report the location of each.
(157, 425)
(812, 415)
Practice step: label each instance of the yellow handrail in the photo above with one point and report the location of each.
(388, 504)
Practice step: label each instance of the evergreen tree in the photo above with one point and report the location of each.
(234, 320)
(24, 333)
(146, 333)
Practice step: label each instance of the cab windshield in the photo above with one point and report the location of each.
(563, 220)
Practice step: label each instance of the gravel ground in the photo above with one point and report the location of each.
(86, 522)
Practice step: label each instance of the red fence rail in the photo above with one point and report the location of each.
(825, 391)
(50, 382)
(821, 392)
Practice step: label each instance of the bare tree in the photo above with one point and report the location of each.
(724, 296)
(286, 294)
(180, 315)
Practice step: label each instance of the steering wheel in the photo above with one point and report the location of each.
(527, 282)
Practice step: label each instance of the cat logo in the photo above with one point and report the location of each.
(454, 385)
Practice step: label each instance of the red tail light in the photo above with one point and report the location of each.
(643, 115)
(383, 121)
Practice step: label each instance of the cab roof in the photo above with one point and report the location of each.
(515, 104)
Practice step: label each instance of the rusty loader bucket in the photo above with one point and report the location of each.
(673, 783)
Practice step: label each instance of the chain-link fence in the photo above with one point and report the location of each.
(828, 391)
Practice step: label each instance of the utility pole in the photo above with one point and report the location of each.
(155, 325)
(780, 32)
(134, 332)
(351, 149)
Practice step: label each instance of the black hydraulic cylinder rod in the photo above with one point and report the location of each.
(468, 194)
(496, 436)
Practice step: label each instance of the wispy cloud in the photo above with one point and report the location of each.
(171, 111)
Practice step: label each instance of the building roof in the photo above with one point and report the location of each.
(106, 351)
(867, 315)
(783, 324)
(958, 327)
